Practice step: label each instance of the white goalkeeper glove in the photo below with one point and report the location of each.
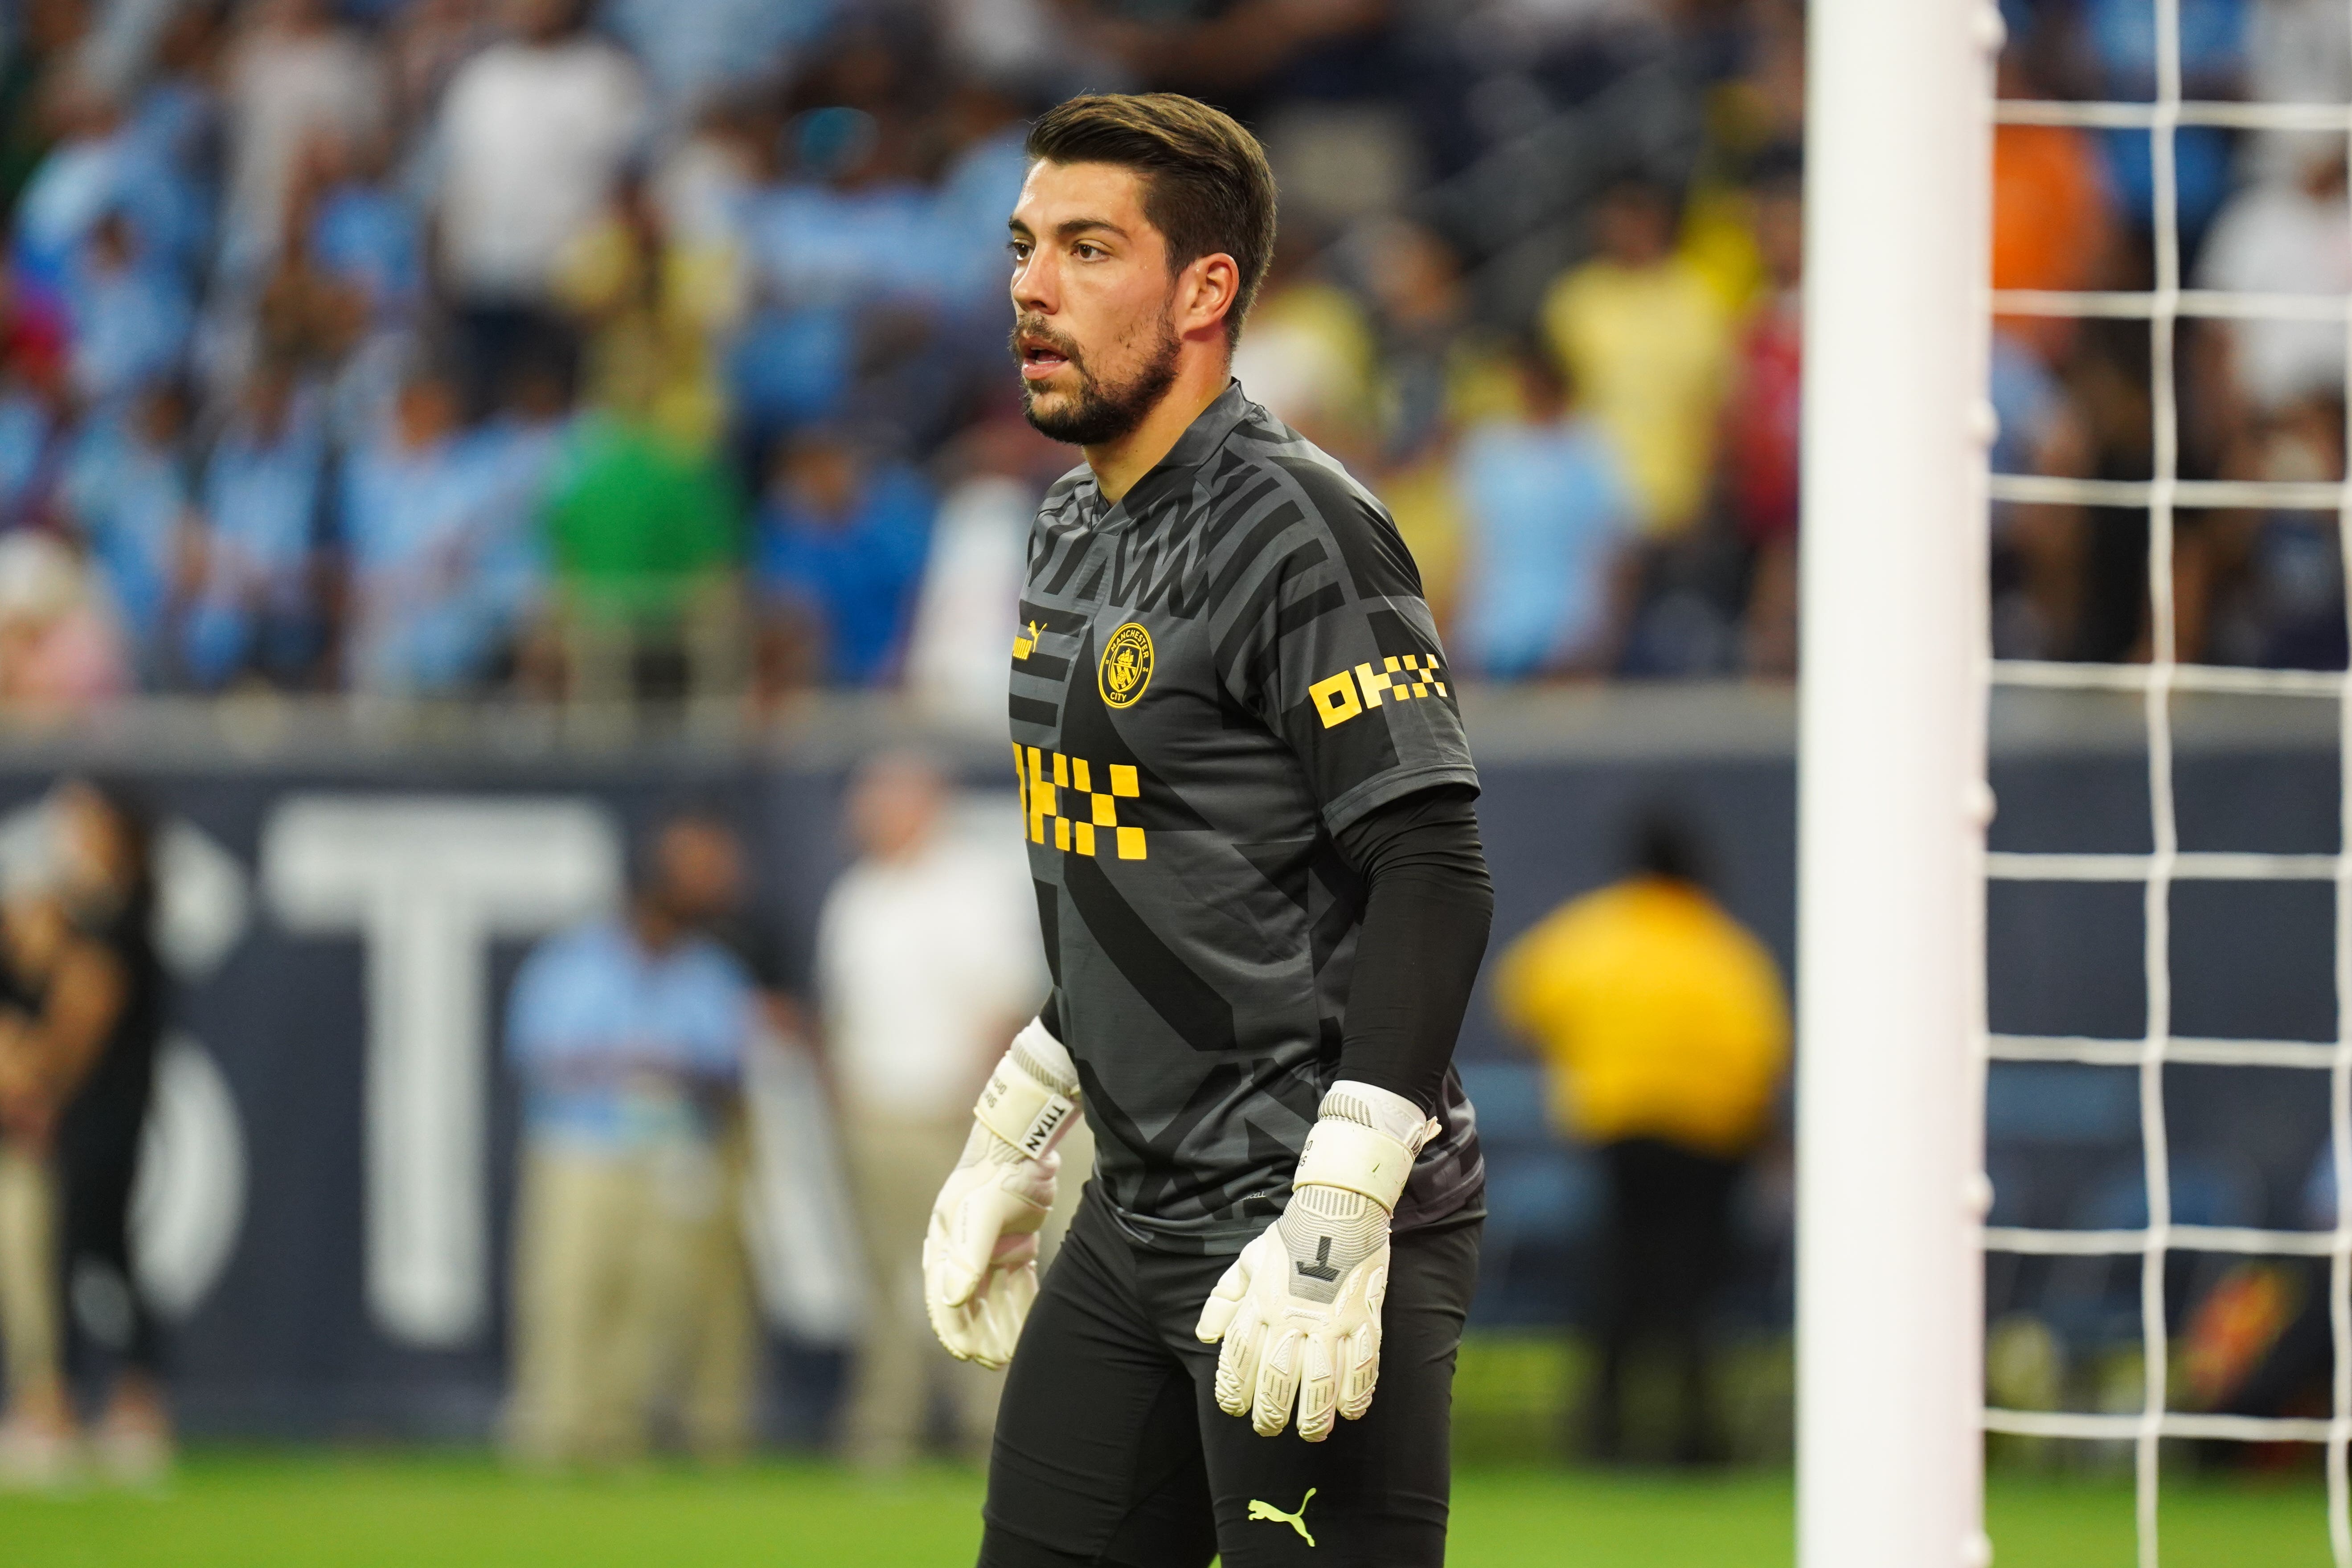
(1299, 1311)
(980, 1253)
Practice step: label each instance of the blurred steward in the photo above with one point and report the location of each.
(1666, 1028)
(1647, 342)
(925, 966)
(628, 1035)
(83, 1016)
(1548, 519)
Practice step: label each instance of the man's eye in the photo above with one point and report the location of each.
(1020, 251)
(1089, 252)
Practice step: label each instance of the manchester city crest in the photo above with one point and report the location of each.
(1126, 665)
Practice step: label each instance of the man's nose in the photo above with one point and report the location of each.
(1034, 284)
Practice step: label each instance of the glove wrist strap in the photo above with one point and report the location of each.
(1018, 1105)
(1364, 1141)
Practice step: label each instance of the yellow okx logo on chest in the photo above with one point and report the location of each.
(1126, 668)
(1049, 779)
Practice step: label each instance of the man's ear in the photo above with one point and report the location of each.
(1207, 293)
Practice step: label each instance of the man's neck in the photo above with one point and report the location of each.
(1117, 465)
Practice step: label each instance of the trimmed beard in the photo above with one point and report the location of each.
(1098, 413)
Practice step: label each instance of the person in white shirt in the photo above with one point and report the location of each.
(533, 136)
(2289, 235)
(927, 963)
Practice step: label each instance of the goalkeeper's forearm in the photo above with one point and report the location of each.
(1428, 905)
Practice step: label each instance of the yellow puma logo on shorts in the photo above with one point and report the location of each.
(1297, 1521)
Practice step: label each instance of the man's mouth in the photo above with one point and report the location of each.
(1040, 359)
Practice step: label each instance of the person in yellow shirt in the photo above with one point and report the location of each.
(1646, 337)
(1664, 1026)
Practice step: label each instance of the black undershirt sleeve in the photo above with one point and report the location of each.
(1050, 1015)
(1427, 907)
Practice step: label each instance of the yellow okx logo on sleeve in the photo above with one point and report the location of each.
(1048, 779)
(1349, 692)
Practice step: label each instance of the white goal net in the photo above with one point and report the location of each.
(2163, 495)
(1897, 673)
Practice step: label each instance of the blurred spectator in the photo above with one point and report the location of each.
(82, 1020)
(295, 76)
(628, 1035)
(1647, 344)
(1309, 356)
(1547, 520)
(967, 612)
(417, 530)
(654, 307)
(2297, 51)
(2053, 214)
(1760, 426)
(1665, 1029)
(130, 313)
(694, 50)
(37, 1447)
(2288, 235)
(43, 37)
(534, 135)
(2122, 39)
(61, 648)
(644, 540)
(257, 606)
(838, 558)
(909, 1044)
(37, 1422)
(126, 486)
(1437, 368)
(2038, 552)
(2274, 580)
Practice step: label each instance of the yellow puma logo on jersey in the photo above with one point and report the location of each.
(1025, 641)
(1297, 1521)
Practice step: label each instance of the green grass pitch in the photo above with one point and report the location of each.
(366, 1510)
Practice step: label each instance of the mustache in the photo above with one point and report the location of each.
(1035, 329)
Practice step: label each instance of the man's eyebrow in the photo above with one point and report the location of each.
(1070, 229)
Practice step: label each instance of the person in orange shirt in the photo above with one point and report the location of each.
(1665, 1027)
(2053, 217)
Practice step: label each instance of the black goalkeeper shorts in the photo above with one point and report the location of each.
(1110, 1448)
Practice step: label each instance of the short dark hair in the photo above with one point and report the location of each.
(1207, 187)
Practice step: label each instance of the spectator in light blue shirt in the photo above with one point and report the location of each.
(1548, 519)
(128, 311)
(628, 1035)
(257, 608)
(421, 534)
(126, 489)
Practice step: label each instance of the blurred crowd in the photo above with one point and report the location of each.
(599, 351)
(2253, 213)
(422, 348)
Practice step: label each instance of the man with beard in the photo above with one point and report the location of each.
(1247, 799)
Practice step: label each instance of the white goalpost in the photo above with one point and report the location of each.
(1893, 805)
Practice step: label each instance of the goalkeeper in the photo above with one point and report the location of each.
(1247, 800)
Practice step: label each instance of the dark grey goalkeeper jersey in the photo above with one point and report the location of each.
(1212, 678)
